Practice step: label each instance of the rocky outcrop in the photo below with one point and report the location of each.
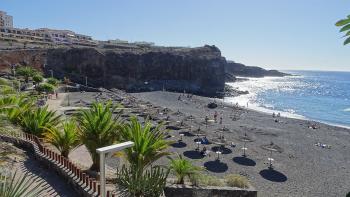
(198, 70)
(233, 69)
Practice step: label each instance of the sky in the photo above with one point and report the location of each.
(274, 34)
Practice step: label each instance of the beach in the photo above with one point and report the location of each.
(301, 166)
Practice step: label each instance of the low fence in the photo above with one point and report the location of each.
(79, 180)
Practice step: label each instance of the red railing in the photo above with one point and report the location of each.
(87, 182)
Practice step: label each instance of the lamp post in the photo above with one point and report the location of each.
(51, 71)
(102, 152)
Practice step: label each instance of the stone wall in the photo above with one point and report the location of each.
(175, 190)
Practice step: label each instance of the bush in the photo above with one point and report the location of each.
(133, 182)
(45, 87)
(235, 180)
(37, 78)
(52, 81)
(26, 72)
(207, 180)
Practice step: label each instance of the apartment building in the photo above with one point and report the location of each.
(5, 20)
(42, 35)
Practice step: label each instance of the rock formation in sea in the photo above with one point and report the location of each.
(233, 69)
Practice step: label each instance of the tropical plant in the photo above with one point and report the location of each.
(26, 72)
(38, 78)
(97, 128)
(234, 180)
(149, 183)
(149, 143)
(20, 186)
(183, 168)
(345, 24)
(38, 120)
(5, 90)
(14, 107)
(64, 137)
(52, 81)
(45, 87)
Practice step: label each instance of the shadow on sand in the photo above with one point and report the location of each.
(244, 161)
(187, 134)
(216, 166)
(273, 175)
(223, 150)
(179, 144)
(192, 154)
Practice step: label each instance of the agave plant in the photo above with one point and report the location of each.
(183, 168)
(64, 137)
(97, 128)
(38, 120)
(149, 143)
(132, 182)
(345, 24)
(19, 186)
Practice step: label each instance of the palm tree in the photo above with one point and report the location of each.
(345, 24)
(97, 128)
(64, 138)
(19, 186)
(183, 168)
(149, 143)
(26, 72)
(14, 107)
(38, 120)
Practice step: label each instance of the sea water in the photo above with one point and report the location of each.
(316, 95)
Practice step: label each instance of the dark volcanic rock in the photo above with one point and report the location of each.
(233, 69)
(198, 70)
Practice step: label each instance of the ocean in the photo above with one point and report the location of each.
(322, 96)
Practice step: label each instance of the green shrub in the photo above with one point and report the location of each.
(53, 81)
(4, 82)
(133, 182)
(45, 87)
(207, 180)
(26, 72)
(38, 78)
(235, 180)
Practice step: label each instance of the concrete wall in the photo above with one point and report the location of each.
(175, 190)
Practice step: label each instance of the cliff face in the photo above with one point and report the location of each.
(198, 70)
(233, 69)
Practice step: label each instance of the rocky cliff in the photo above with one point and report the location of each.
(198, 70)
(233, 69)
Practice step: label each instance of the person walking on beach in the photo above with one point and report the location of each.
(220, 119)
(206, 121)
(215, 116)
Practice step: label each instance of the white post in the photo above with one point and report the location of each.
(86, 81)
(102, 174)
(104, 150)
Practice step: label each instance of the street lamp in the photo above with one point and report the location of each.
(102, 152)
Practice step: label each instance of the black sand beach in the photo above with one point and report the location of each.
(300, 166)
